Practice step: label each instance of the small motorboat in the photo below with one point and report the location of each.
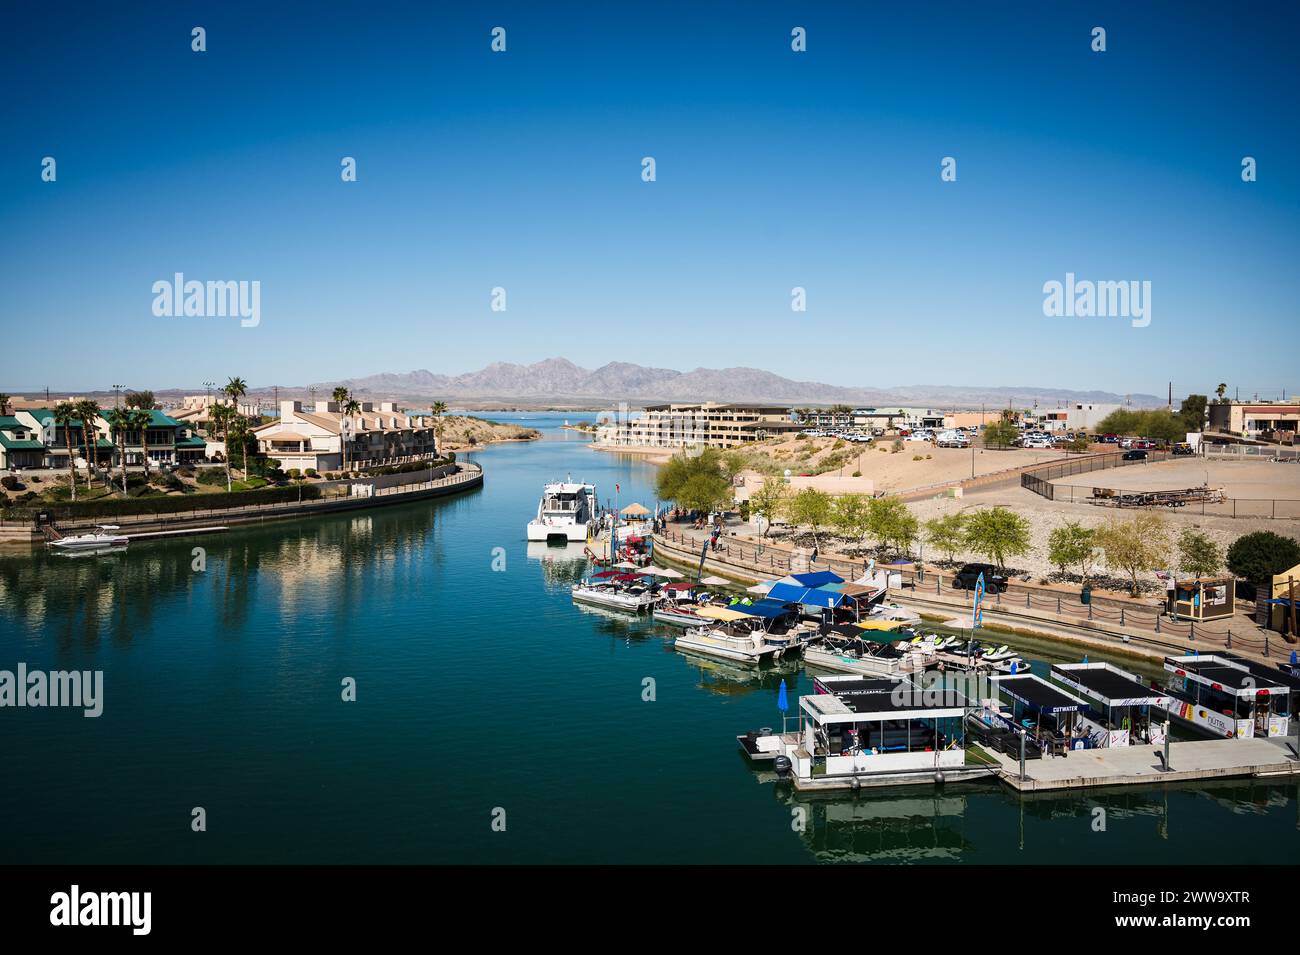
(104, 538)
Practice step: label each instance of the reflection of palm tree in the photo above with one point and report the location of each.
(65, 412)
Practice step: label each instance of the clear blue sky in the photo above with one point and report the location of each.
(775, 169)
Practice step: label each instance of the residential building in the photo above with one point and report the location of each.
(196, 410)
(55, 438)
(377, 436)
(166, 441)
(707, 424)
(20, 445)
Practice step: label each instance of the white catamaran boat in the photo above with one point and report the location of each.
(104, 538)
(565, 514)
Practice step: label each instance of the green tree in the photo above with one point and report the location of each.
(1134, 546)
(768, 501)
(1122, 421)
(997, 534)
(139, 399)
(88, 411)
(1192, 412)
(139, 420)
(119, 419)
(1198, 553)
(65, 412)
(1221, 390)
(1000, 434)
(694, 481)
(810, 508)
(221, 416)
(351, 407)
(851, 515)
(1257, 557)
(947, 533)
(1072, 545)
(891, 523)
(1163, 425)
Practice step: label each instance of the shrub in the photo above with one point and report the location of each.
(311, 473)
(10, 483)
(294, 473)
(1258, 556)
(212, 476)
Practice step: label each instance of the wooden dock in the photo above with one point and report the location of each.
(1133, 765)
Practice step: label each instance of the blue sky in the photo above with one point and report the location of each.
(775, 170)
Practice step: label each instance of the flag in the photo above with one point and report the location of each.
(977, 614)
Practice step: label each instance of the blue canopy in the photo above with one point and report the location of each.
(809, 596)
(769, 609)
(817, 578)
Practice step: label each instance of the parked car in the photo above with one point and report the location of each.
(1135, 455)
(968, 575)
(1182, 447)
(919, 436)
(1039, 443)
(953, 439)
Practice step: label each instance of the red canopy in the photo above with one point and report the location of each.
(606, 573)
(678, 586)
(629, 576)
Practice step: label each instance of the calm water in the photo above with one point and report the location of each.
(476, 690)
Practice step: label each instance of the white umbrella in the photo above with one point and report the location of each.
(627, 565)
(762, 588)
(664, 572)
(715, 581)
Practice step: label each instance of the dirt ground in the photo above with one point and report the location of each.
(1244, 480)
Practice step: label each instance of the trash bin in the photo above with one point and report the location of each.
(1085, 595)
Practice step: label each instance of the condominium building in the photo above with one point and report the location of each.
(705, 424)
(165, 441)
(376, 436)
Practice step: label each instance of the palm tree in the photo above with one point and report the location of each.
(236, 388)
(220, 416)
(65, 412)
(340, 395)
(350, 407)
(119, 419)
(88, 411)
(140, 420)
(139, 399)
(439, 408)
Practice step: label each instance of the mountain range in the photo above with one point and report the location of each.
(559, 382)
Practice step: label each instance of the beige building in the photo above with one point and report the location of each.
(377, 436)
(1270, 419)
(707, 424)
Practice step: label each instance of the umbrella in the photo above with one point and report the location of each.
(664, 572)
(635, 510)
(762, 588)
(627, 565)
(715, 581)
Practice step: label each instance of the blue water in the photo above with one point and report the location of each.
(477, 690)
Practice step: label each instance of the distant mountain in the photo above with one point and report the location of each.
(560, 381)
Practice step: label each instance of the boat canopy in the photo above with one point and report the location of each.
(722, 613)
(880, 624)
(809, 596)
(678, 585)
(815, 579)
(768, 609)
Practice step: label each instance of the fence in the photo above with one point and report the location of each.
(1165, 633)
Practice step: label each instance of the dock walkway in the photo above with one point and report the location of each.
(1131, 765)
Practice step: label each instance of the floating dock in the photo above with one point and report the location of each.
(1133, 765)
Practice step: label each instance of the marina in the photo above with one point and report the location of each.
(258, 618)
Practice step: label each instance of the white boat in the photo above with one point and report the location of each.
(730, 643)
(634, 599)
(565, 514)
(104, 538)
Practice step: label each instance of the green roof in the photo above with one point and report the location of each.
(9, 421)
(193, 441)
(14, 444)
